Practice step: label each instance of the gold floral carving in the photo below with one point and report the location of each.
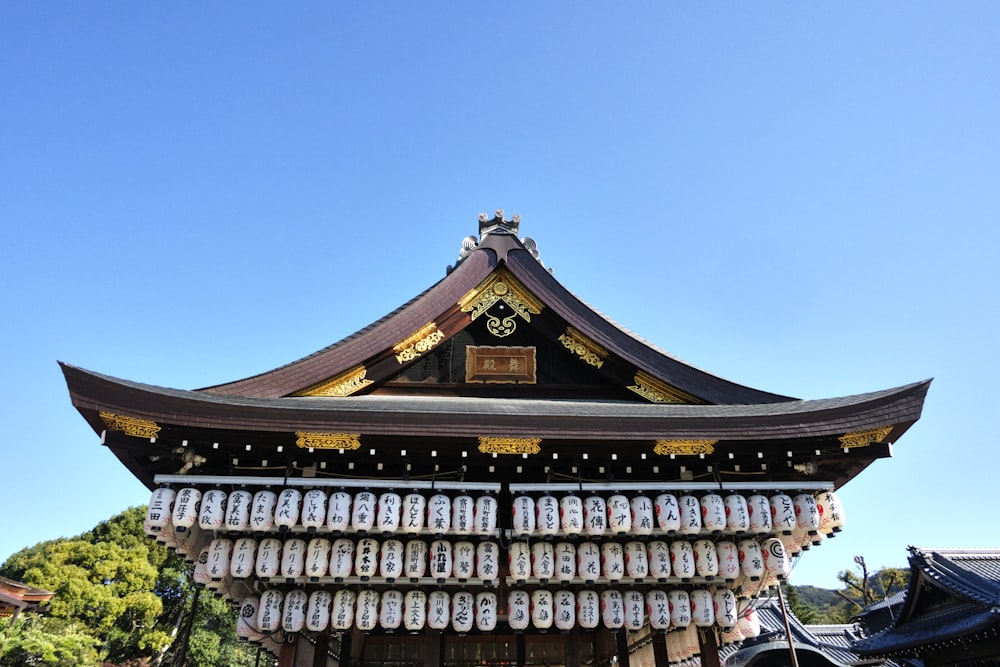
(344, 384)
(684, 447)
(865, 438)
(657, 391)
(419, 342)
(489, 445)
(501, 287)
(588, 351)
(328, 440)
(141, 428)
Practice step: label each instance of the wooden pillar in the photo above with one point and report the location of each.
(286, 656)
(571, 648)
(660, 657)
(621, 641)
(305, 652)
(522, 652)
(433, 649)
(320, 657)
(357, 646)
(345, 650)
(709, 648)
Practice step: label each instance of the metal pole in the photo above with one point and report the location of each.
(788, 628)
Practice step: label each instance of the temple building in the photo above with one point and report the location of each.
(491, 474)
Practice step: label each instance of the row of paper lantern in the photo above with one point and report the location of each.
(541, 609)
(271, 559)
(388, 512)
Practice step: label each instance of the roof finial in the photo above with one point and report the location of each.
(498, 225)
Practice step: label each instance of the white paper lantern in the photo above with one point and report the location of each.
(342, 613)
(294, 617)
(415, 610)
(439, 514)
(238, 510)
(588, 609)
(668, 513)
(636, 561)
(286, 512)
(564, 609)
(807, 515)
(269, 615)
(389, 508)
(680, 608)
(675, 652)
(219, 555)
(702, 609)
(619, 515)
(749, 623)
(200, 574)
(415, 565)
(186, 507)
(390, 615)
(462, 612)
(706, 560)
(759, 509)
(363, 514)
(293, 558)
(612, 561)
(642, 515)
(438, 610)
(486, 611)
(313, 509)
(612, 609)
(775, 561)
(793, 543)
(543, 561)
(413, 512)
(782, 513)
(487, 561)
(441, 560)
(729, 560)
(244, 554)
(690, 645)
(262, 511)
(317, 558)
(541, 609)
(338, 514)
(595, 515)
(213, 510)
(658, 609)
(463, 564)
(724, 606)
(463, 516)
(565, 561)
(713, 513)
(318, 610)
(588, 562)
(571, 515)
(366, 559)
(161, 507)
(268, 563)
(485, 515)
(519, 561)
(737, 514)
(518, 610)
(547, 515)
(390, 564)
(682, 560)
(246, 619)
(366, 610)
(731, 636)
(658, 557)
(342, 559)
(831, 512)
(751, 559)
(635, 607)
(166, 536)
(188, 542)
(523, 511)
(690, 515)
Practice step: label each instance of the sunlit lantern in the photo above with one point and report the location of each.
(642, 515)
(713, 513)
(775, 561)
(342, 558)
(702, 610)
(612, 561)
(519, 561)
(342, 612)
(186, 543)
(338, 512)
(658, 557)
(612, 609)
(390, 615)
(729, 560)
(293, 558)
(441, 559)
(635, 610)
(793, 543)
(541, 609)
(268, 558)
(366, 558)
(213, 510)
(782, 513)
(390, 564)
(314, 509)
(565, 561)
(543, 561)
(759, 509)
(244, 554)
(690, 515)
(564, 609)
(689, 643)
(415, 565)
(751, 559)
(737, 514)
(186, 507)
(318, 610)
(485, 515)
(588, 562)
(366, 610)
(807, 514)
(706, 560)
(831, 512)
(294, 617)
(749, 623)
(675, 652)
(680, 608)
(731, 635)
(238, 510)
(439, 514)
(547, 515)
(487, 561)
(317, 558)
(619, 514)
(363, 513)
(636, 561)
(219, 554)
(518, 610)
(463, 613)
(414, 610)
(463, 556)
(413, 512)
(389, 508)
(463, 515)
(246, 619)
(200, 574)
(571, 514)
(286, 512)
(658, 609)
(486, 611)
(588, 609)
(682, 560)
(595, 515)
(269, 614)
(161, 506)
(523, 512)
(668, 514)
(724, 605)
(262, 511)
(438, 610)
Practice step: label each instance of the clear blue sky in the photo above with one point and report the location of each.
(801, 198)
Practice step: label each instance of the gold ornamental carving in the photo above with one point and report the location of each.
(588, 351)
(307, 439)
(421, 341)
(657, 391)
(345, 384)
(501, 287)
(140, 428)
(864, 438)
(684, 447)
(488, 445)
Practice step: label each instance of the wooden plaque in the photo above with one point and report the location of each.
(500, 365)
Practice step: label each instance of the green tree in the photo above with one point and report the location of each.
(36, 640)
(863, 588)
(802, 611)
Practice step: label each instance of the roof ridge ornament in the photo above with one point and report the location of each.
(498, 225)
